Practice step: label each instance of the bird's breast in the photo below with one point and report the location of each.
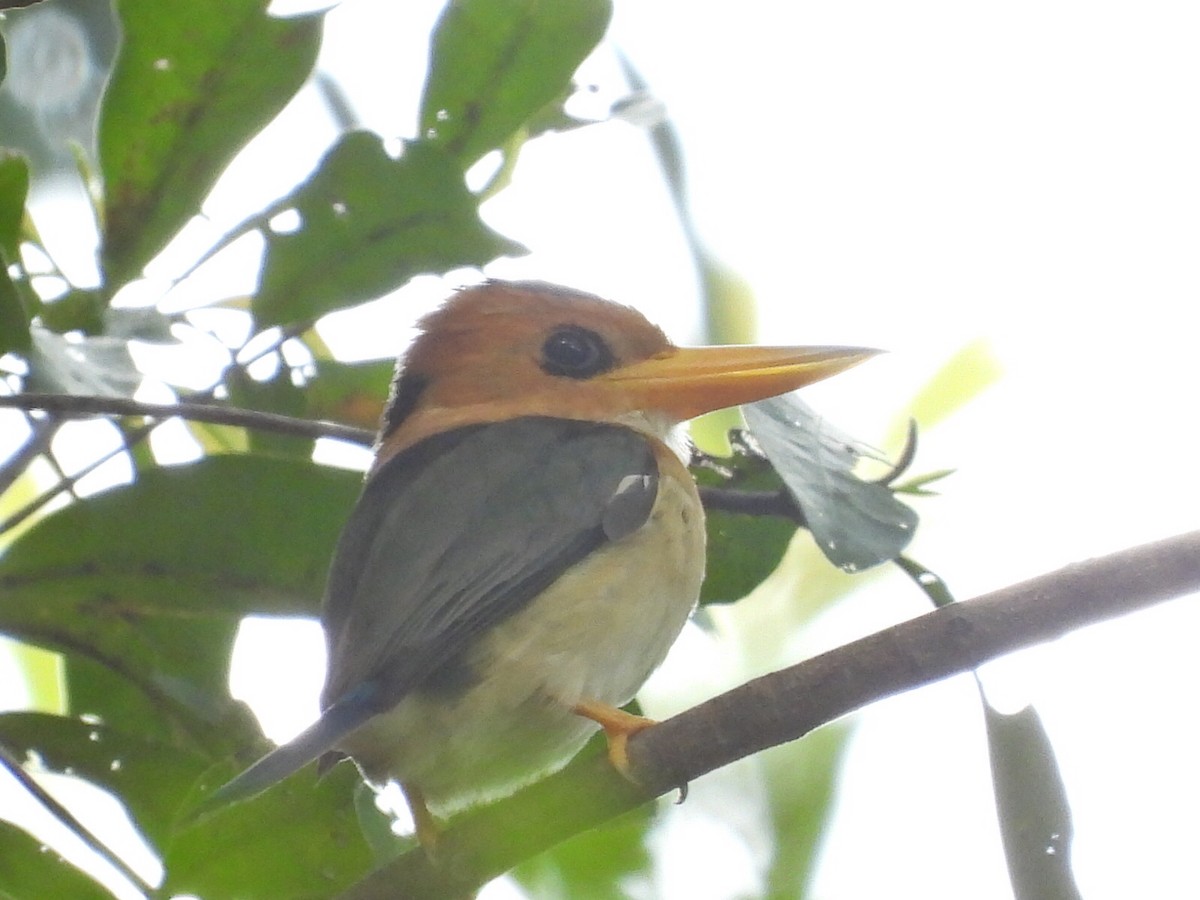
(596, 633)
(600, 630)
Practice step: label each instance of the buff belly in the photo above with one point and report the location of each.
(595, 634)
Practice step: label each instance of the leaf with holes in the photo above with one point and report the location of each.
(30, 867)
(496, 65)
(188, 91)
(368, 224)
(152, 778)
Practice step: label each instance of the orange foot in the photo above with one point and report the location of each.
(427, 827)
(618, 725)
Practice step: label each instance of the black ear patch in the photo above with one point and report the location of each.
(576, 352)
(407, 388)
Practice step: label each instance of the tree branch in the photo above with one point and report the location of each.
(41, 435)
(753, 503)
(78, 406)
(67, 819)
(81, 406)
(785, 705)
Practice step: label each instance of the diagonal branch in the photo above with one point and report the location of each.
(785, 705)
(12, 765)
(42, 431)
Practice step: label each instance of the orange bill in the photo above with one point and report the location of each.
(689, 381)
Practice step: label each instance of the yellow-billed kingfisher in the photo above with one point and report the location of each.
(527, 546)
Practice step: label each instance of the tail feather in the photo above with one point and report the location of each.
(319, 739)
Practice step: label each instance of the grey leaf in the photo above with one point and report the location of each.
(857, 523)
(89, 365)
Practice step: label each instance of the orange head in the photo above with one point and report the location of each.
(507, 349)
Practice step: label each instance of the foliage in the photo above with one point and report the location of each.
(141, 588)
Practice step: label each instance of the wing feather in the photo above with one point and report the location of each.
(448, 538)
(465, 532)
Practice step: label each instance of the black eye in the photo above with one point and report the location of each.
(576, 353)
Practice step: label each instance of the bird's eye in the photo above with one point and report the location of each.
(576, 353)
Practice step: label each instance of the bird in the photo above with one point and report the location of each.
(527, 546)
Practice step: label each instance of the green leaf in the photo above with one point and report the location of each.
(299, 839)
(14, 188)
(151, 579)
(591, 865)
(352, 393)
(98, 691)
(151, 778)
(77, 310)
(802, 779)
(1031, 802)
(918, 485)
(28, 868)
(858, 524)
(191, 86)
(495, 64)
(370, 223)
(14, 323)
(42, 672)
(742, 549)
(275, 395)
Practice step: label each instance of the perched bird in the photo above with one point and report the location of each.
(527, 546)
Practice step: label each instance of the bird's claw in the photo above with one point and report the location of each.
(618, 727)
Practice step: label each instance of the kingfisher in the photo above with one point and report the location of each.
(527, 546)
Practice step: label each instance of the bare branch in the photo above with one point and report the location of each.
(12, 765)
(785, 705)
(41, 434)
(752, 503)
(79, 406)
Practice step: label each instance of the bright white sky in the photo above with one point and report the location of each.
(912, 176)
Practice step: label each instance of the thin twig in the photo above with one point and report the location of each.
(42, 432)
(104, 406)
(9, 762)
(752, 503)
(76, 406)
(68, 482)
(81, 406)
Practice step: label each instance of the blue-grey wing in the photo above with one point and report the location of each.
(449, 537)
(463, 530)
